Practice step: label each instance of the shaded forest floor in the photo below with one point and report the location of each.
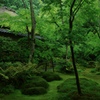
(52, 92)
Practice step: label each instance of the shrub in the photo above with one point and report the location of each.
(20, 78)
(11, 50)
(36, 84)
(35, 81)
(94, 70)
(98, 73)
(88, 87)
(34, 91)
(51, 76)
(91, 64)
(5, 85)
(17, 64)
(5, 65)
(7, 89)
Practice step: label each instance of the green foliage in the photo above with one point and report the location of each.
(34, 85)
(8, 89)
(11, 51)
(64, 66)
(25, 49)
(88, 87)
(96, 70)
(35, 81)
(51, 76)
(88, 51)
(5, 65)
(34, 91)
(17, 64)
(23, 78)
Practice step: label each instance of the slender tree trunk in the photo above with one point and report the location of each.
(99, 19)
(75, 69)
(71, 19)
(46, 67)
(32, 32)
(52, 64)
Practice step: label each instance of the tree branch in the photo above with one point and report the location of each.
(54, 20)
(78, 7)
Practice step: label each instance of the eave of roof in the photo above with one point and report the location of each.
(8, 11)
(17, 34)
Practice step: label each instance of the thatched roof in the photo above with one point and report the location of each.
(8, 11)
(5, 31)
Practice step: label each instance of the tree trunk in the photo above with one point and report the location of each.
(99, 20)
(45, 68)
(71, 20)
(75, 69)
(32, 32)
(52, 65)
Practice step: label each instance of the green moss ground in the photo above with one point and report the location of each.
(52, 92)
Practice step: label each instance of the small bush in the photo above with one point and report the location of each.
(34, 91)
(35, 81)
(91, 64)
(35, 84)
(50, 76)
(5, 65)
(94, 70)
(17, 64)
(98, 73)
(88, 87)
(7, 89)
(20, 78)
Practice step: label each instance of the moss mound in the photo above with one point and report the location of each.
(19, 79)
(35, 82)
(34, 91)
(36, 85)
(68, 90)
(51, 76)
(7, 89)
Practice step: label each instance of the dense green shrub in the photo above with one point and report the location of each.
(11, 51)
(5, 86)
(25, 49)
(63, 66)
(69, 88)
(51, 76)
(5, 65)
(34, 91)
(7, 89)
(96, 70)
(17, 64)
(35, 84)
(20, 78)
(35, 81)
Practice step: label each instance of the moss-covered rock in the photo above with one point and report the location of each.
(51, 76)
(36, 81)
(68, 90)
(34, 91)
(35, 85)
